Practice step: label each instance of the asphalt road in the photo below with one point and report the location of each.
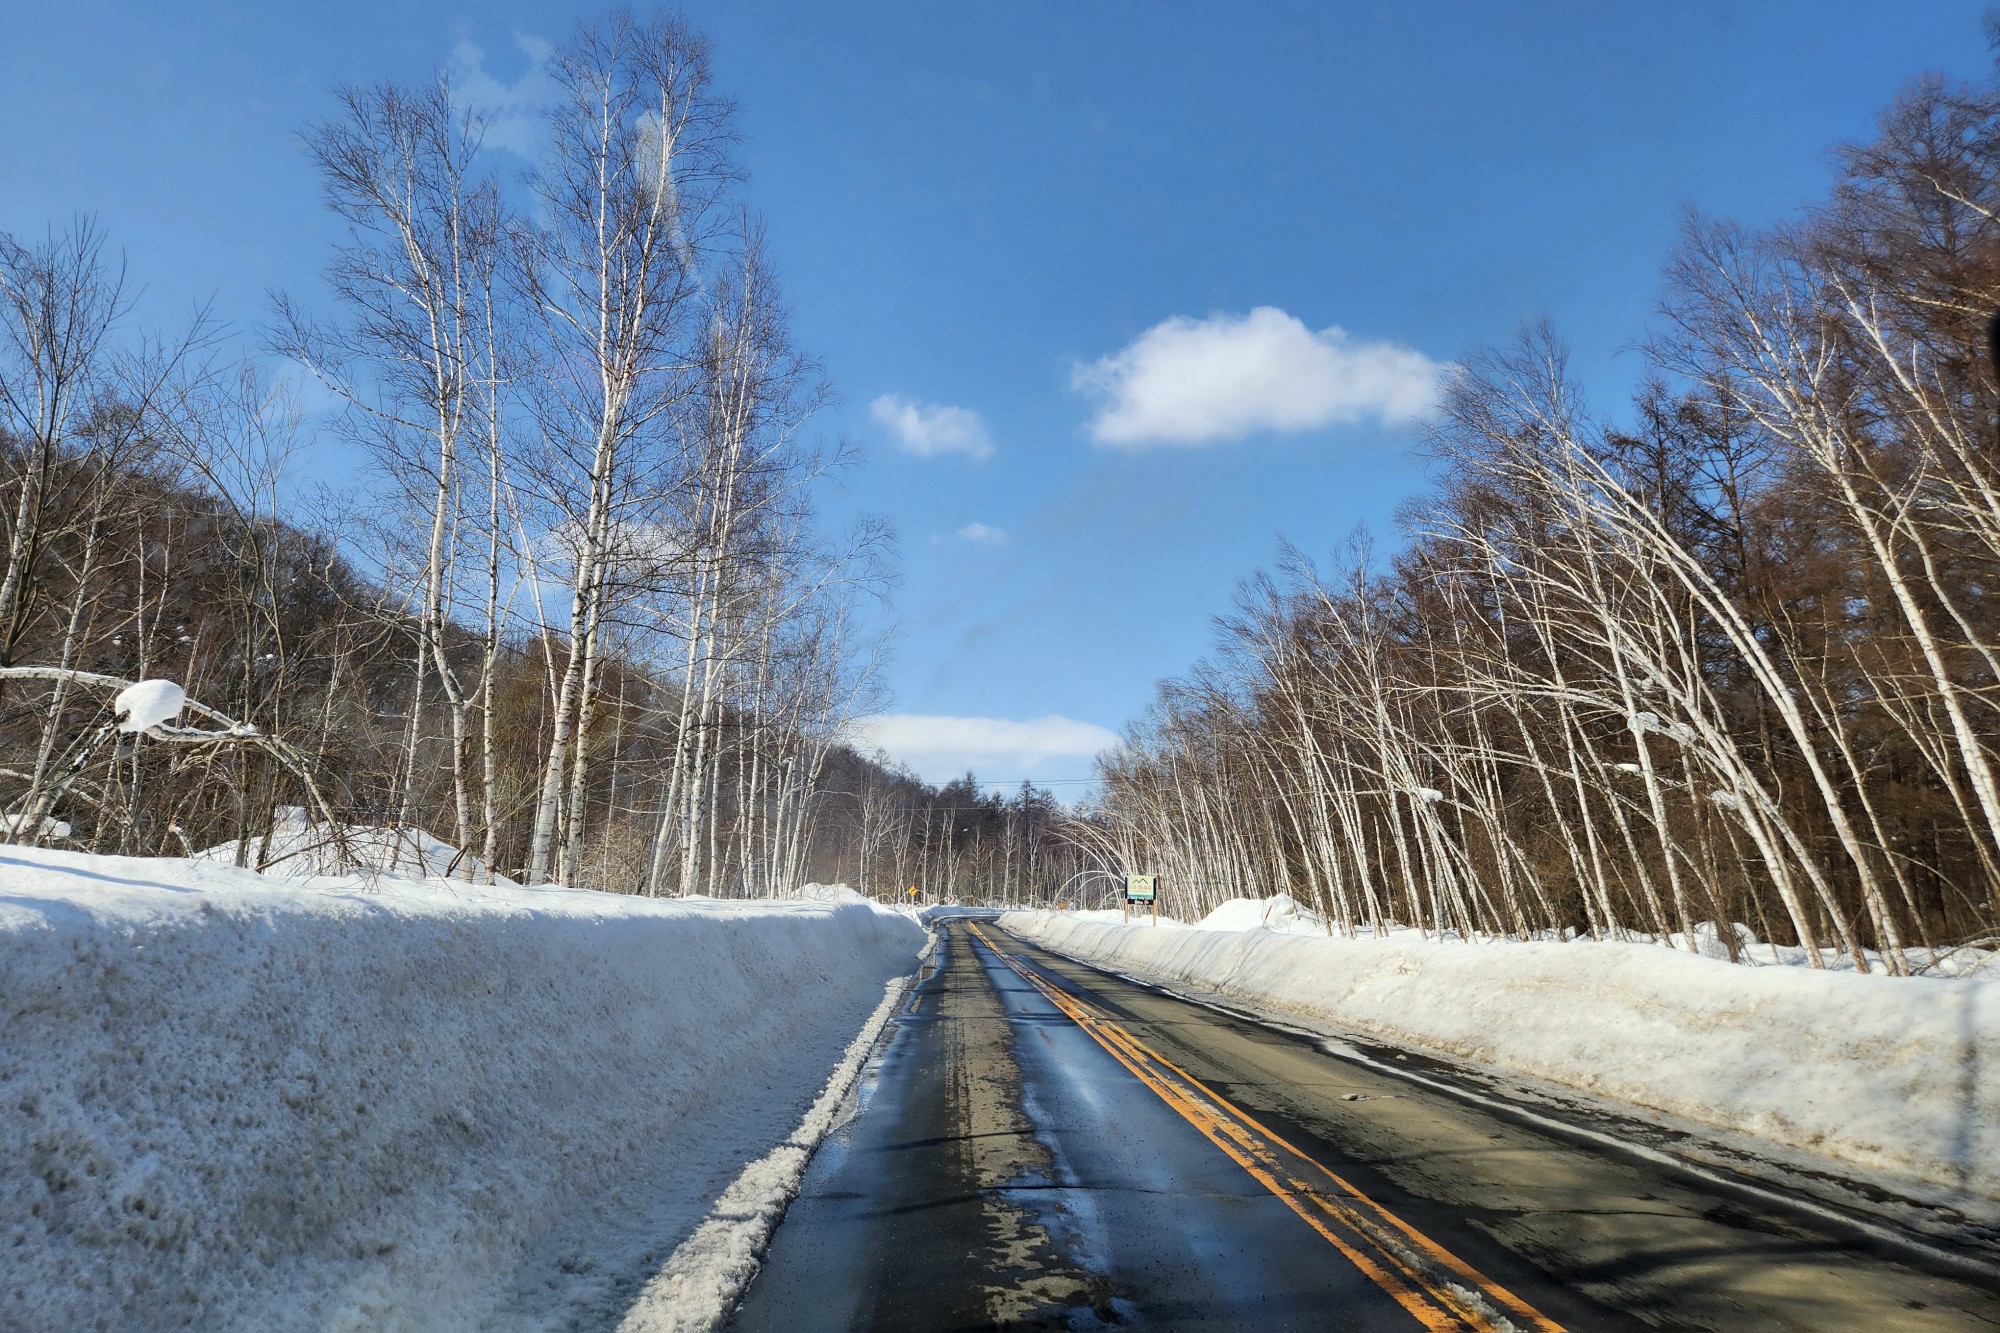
(1042, 1145)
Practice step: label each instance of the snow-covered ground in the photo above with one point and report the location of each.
(298, 848)
(232, 1101)
(1894, 1075)
(1286, 915)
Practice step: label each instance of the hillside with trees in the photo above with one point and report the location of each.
(584, 621)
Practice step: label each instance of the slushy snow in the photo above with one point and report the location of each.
(236, 1102)
(1896, 1075)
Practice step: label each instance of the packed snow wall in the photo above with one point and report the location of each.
(230, 1102)
(1893, 1074)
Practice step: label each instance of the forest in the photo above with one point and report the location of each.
(1727, 654)
(581, 619)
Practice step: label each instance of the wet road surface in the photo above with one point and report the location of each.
(1042, 1145)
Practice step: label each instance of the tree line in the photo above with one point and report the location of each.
(588, 624)
(1728, 656)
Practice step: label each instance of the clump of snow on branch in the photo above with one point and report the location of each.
(1644, 723)
(148, 704)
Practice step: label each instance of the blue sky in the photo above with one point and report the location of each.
(1082, 257)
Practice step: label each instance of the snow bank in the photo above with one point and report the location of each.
(1283, 914)
(13, 825)
(1897, 1075)
(229, 1102)
(829, 893)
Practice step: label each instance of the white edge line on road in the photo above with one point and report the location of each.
(701, 1281)
(1339, 1049)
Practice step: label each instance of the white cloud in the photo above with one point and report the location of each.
(942, 748)
(930, 429)
(512, 110)
(981, 535)
(1196, 381)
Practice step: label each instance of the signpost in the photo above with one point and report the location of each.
(1142, 889)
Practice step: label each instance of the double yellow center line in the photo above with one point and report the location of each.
(1441, 1291)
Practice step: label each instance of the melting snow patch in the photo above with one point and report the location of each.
(703, 1278)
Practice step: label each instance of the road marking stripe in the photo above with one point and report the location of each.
(1296, 1194)
(1467, 1313)
(1442, 1307)
(1436, 1251)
